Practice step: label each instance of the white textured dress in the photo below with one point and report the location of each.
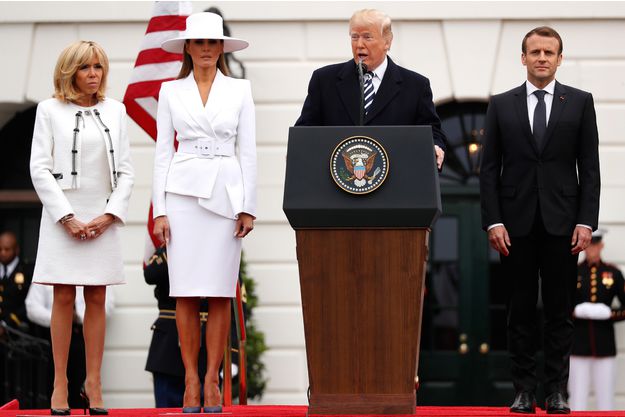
(62, 259)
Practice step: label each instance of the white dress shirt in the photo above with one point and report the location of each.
(7, 270)
(378, 74)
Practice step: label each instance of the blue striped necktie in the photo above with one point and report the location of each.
(369, 93)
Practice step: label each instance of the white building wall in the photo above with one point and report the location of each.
(469, 50)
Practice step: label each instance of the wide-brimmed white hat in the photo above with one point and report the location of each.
(204, 25)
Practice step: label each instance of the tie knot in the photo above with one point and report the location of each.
(369, 75)
(540, 94)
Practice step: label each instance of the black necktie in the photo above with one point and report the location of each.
(540, 118)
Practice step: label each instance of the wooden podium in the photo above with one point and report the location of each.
(362, 264)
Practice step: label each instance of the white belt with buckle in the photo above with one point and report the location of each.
(206, 147)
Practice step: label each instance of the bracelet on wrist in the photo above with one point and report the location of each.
(66, 218)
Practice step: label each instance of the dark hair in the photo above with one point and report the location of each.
(542, 31)
(187, 63)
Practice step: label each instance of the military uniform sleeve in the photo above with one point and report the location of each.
(619, 281)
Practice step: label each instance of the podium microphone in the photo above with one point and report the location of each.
(362, 69)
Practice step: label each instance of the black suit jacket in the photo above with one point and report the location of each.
(562, 178)
(403, 99)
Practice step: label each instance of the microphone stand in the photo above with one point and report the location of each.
(362, 68)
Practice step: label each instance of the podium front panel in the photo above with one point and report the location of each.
(409, 197)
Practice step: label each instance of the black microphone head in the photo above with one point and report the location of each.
(364, 67)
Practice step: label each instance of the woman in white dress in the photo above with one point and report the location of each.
(204, 192)
(81, 169)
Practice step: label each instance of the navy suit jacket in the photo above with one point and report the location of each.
(403, 99)
(561, 180)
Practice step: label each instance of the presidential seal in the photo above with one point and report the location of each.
(359, 165)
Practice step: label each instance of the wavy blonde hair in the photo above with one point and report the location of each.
(71, 59)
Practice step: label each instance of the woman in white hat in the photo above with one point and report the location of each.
(204, 196)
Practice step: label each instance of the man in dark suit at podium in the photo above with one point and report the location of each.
(539, 185)
(393, 95)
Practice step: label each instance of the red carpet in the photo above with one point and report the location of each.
(300, 411)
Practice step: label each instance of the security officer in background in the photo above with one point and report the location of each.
(164, 358)
(15, 277)
(594, 348)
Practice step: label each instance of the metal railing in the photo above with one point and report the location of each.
(25, 368)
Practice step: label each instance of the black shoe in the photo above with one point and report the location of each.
(524, 403)
(192, 410)
(556, 404)
(93, 411)
(60, 411)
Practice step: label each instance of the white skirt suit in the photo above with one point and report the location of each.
(102, 183)
(203, 185)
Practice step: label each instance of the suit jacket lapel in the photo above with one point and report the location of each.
(217, 97)
(390, 86)
(521, 109)
(557, 106)
(190, 98)
(349, 91)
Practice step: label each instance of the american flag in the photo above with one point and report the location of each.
(152, 67)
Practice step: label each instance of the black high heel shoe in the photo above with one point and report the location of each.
(60, 411)
(94, 411)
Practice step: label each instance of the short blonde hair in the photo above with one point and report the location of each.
(373, 17)
(70, 61)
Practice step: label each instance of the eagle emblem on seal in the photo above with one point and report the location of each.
(359, 165)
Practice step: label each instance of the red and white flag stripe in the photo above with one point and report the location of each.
(153, 66)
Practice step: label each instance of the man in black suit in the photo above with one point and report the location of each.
(398, 96)
(539, 185)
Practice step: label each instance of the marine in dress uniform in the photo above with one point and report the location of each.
(164, 358)
(594, 347)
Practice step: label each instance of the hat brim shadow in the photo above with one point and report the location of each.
(176, 45)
